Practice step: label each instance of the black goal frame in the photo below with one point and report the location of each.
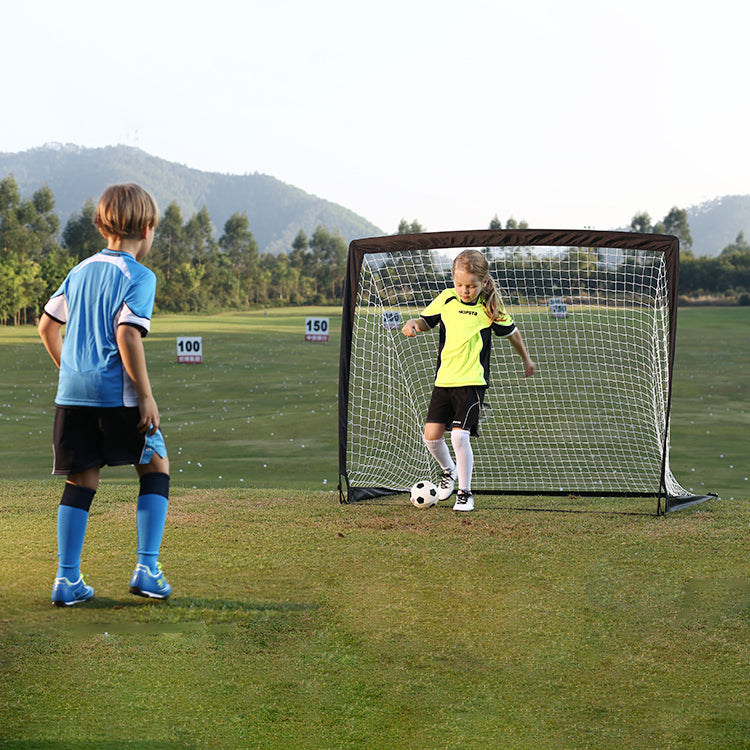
(668, 245)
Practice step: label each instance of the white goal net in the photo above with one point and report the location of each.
(597, 317)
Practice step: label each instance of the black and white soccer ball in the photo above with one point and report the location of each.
(424, 494)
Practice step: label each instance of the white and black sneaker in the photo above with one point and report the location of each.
(464, 501)
(446, 484)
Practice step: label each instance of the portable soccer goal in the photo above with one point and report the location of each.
(597, 311)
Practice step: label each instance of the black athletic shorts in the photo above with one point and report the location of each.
(89, 436)
(457, 407)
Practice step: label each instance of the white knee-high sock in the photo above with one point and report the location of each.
(440, 453)
(464, 457)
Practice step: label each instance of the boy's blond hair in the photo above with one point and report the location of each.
(125, 211)
(473, 262)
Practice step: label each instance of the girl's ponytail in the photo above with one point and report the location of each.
(492, 302)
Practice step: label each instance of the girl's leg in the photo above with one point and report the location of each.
(434, 439)
(435, 442)
(464, 457)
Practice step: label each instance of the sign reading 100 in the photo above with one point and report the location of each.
(190, 349)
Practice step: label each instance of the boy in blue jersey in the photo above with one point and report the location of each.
(105, 411)
(468, 315)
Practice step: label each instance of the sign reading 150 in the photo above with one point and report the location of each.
(316, 325)
(316, 329)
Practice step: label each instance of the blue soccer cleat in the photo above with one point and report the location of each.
(148, 584)
(66, 594)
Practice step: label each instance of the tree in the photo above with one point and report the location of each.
(641, 223)
(513, 224)
(45, 224)
(199, 236)
(80, 237)
(10, 195)
(242, 250)
(170, 260)
(329, 257)
(414, 228)
(54, 268)
(21, 289)
(740, 245)
(27, 226)
(169, 250)
(300, 242)
(220, 285)
(301, 258)
(676, 223)
(27, 238)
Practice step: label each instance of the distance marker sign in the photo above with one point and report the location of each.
(316, 329)
(190, 349)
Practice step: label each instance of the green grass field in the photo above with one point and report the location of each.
(259, 412)
(300, 623)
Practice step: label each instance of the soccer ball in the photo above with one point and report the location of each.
(424, 494)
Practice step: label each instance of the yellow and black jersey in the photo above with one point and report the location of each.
(465, 339)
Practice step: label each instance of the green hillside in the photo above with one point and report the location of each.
(276, 211)
(716, 223)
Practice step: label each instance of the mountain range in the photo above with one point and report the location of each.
(276, 211)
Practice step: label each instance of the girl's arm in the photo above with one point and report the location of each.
(50, 331)
(130, 344)
(414, 326)
(516, 340)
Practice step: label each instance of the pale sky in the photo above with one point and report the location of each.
(564, 114)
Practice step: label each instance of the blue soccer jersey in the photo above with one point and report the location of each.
(102, 292)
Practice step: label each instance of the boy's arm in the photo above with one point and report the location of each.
(516, 340)
(50, 331)
(130, 344)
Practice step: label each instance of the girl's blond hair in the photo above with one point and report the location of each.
(473, 262)
(125, 210)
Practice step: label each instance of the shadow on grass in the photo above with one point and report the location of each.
(197, 603)
(514, 508)
(141, 616)
(580, 511)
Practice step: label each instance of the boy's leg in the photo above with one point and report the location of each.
(151, 516)
(72, 520)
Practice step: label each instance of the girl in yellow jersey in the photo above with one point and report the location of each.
(468, 315)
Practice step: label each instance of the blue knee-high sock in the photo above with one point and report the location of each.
(151, 516)
(72, 519)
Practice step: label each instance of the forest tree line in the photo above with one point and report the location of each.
(198, 273)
